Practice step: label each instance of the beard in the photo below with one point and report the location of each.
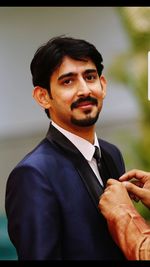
(88, 121)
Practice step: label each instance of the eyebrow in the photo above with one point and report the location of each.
(70, 74)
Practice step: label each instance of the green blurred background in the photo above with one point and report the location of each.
(131, 68)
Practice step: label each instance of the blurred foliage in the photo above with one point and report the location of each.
(7, 250)
(131, 69)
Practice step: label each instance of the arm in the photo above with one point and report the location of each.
(127, 227)
(33, 215)
(140, 187)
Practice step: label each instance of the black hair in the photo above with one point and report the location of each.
(49, 57)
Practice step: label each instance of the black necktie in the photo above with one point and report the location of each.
(98, 160)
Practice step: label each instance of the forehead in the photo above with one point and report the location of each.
(75, 66)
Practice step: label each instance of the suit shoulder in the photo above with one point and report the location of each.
(36, 153)
(109, 147)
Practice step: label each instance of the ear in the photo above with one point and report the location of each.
(41, 96)
(103, 83)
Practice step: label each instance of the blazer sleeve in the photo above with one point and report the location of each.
(33, 216)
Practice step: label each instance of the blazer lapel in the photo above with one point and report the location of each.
(109, 168)
(86, 173)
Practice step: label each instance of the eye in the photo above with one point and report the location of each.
(67, 81)
(91, 77)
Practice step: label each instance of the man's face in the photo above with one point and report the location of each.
(77, 94)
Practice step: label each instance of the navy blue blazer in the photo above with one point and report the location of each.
(52, 210)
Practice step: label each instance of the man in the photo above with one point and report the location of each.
(52, 195)
(129, 230)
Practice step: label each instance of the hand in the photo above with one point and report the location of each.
(114, 195)
(139, 188)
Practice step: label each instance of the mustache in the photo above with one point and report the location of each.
(80, 100)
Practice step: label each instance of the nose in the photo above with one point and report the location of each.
(83, 88)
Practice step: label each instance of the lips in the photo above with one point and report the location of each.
(84, 104)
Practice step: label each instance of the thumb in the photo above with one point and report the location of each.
(132, 188)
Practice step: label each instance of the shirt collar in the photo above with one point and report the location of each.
(85, 147)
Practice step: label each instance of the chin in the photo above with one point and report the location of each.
(85, 122)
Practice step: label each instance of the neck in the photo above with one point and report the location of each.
(87, 133)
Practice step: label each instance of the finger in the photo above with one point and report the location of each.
(131, 188)
(133, 197)
(111, 181)
(137, 183)
(138, 174)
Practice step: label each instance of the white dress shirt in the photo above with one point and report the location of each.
(85, 147)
